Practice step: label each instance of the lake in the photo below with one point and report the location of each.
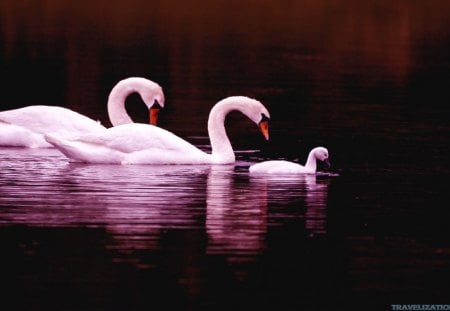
(367, 80)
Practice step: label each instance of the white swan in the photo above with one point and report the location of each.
(147, 144)
(286, 167)
(151, 93)
(25, 127)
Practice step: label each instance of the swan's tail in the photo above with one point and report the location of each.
(79, 151)
(65, 146)
(52, 139)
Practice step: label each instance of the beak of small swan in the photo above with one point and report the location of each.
(264, 128)
(154, 112)
(327, 162)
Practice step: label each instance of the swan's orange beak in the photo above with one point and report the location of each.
(264, 128)
(154, 112)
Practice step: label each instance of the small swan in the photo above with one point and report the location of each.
(26, 127)
(147, 144)
(286, 167)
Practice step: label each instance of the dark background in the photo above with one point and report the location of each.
(367, 79)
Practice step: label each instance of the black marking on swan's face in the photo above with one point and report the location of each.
(264, 126)
(264, 118)
(156, 105)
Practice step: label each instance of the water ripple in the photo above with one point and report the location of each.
(137, 204)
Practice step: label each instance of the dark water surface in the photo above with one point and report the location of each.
(367, 79)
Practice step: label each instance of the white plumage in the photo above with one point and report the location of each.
(26, 127)
(147, 144)
(286, 167)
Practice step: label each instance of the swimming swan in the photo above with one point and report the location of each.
(286, 167)
(25, 127)
(148, 144)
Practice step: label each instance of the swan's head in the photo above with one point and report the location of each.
(250, 107)
(321, 154)
(151, 94)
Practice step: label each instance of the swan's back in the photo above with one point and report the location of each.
(276, 167)
(137, 137)
(50, 119)
(133, 143)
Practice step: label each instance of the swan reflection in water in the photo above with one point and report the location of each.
(240, 211)
(134, 204)
(140, 203)
(236, 216)
(316, 204)
(302, 192)
(137, 205)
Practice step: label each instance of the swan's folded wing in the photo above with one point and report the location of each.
(134, 137)
(18, 136)
(50, 119)
(28, 117)
(85, 152)
(275, 167)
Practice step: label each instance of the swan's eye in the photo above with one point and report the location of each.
(264, 117)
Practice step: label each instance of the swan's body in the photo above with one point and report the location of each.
(147, 144)
(286, 167)
(26, 127)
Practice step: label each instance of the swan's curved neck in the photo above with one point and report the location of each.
(311, 162)
(222, 151)
(116, 104)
